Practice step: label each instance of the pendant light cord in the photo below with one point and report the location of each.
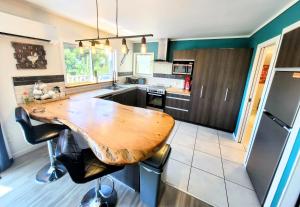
(97, 19)
(117, 17)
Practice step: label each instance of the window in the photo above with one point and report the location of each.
(143, 63)
(84, 67)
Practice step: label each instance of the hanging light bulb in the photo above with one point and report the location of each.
(80, 47)
(93, 47)
(124, 48)
(143, 45)
(107, 45)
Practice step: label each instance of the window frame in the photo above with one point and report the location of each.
(95, 79)
(151, 67)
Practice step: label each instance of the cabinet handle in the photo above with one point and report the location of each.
(226, 93)
(201, 92)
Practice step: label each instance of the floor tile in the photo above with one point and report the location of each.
(182, 154)
(208, 163)
(236, 173)
(184, 140)
(187, 128)
(208, 188)
(207, 130)
(227, 139)
(207, 136)
(208, 147)
(240, 196)
(232, 154)
(177, 174)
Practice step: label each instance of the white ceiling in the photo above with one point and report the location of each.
(172, 18)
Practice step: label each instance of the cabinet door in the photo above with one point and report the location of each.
(141, 98)
(203, 85)
(118, 98)
(184, 54)
(129, 98)
(289, 52)
(233, 65)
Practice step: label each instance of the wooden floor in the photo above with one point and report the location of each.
(19, 189)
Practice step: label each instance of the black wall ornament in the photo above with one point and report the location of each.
(29, 56)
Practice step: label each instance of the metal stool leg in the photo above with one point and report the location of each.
(53, 170)
(101, 195)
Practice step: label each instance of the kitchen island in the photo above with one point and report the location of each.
(117, 134)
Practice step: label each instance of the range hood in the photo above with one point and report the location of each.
(162, 53)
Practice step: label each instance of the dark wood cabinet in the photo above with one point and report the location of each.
(289, 52)
(177, 106)
(141, 98)
(218, 83)
(184, 54)
(127, 98)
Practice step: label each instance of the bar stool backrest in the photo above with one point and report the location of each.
(23, 119)
(69, 153)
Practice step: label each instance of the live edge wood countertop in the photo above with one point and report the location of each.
(116, 133)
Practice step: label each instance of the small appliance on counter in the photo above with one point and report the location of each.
(156, 97)
(135, 80)
(182, 67)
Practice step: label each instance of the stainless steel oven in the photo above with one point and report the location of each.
(183, 67)
(156, 97)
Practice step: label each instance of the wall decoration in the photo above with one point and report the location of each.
(29, 56)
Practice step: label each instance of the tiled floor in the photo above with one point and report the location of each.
(208, 164)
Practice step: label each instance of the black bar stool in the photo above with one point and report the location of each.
(38, 134)
(83, 166)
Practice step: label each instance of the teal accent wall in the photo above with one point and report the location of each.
(269, 31)
(287, 171)
(151, 47)
(194, 44)
(211, 43)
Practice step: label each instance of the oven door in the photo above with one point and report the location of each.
(155, 100)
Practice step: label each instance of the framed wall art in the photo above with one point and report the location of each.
(29, 56)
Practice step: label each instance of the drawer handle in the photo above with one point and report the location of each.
(226, 94)
(169, 107)
(182, 99)
(201, 92)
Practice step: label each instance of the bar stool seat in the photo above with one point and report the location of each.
(38, 134)
(45, 132)
(83, 166)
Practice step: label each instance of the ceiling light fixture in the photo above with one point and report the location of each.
(143, 45)
(107, 45)
(80, 47)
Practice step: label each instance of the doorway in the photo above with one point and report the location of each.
(267, 54)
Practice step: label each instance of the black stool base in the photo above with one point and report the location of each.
(50, 174)
(107, 197)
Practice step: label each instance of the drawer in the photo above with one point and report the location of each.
(179, 114)
(179, 96)
(175, 102)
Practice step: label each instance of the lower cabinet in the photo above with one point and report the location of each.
(127, 98)
(141, 98)
(177, 106)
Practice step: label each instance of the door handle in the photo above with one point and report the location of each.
(201, 92)
(226, 94)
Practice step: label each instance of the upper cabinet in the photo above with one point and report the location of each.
(184, 54)
(289, 52)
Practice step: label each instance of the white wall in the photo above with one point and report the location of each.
(67, 31)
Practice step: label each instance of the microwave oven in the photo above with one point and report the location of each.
(183, 67)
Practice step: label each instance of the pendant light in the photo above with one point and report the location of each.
(143, 45)
(80, 47)
(93, 44)
(124, 48)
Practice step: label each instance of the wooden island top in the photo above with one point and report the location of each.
(117, 134)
